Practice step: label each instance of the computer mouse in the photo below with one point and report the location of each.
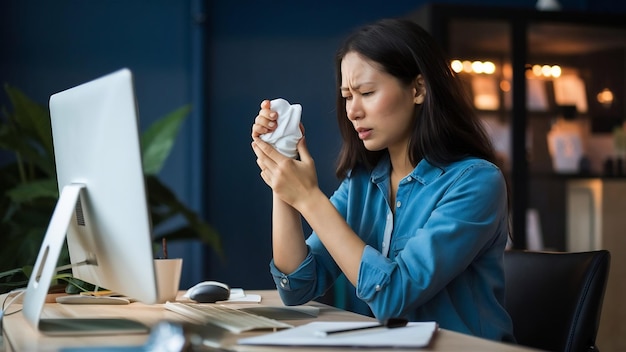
(208, 292)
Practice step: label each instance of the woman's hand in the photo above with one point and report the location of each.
(265, 122)
(292, 180)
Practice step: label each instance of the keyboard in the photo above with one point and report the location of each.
(231, 319)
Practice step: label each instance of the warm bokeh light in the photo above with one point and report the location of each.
(546, 71)
(457, 66)
(505, 85)
(467, 66)
(507, 71)
(479, 67)
(489, 67)
(605, 97)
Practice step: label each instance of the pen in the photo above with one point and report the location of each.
(389, 323)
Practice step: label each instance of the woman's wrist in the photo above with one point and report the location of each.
(310, 202)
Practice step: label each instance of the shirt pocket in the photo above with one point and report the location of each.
(398, 244)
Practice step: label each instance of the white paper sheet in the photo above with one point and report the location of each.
(414, 335)
(238, 295)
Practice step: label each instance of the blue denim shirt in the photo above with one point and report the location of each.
(441, 259)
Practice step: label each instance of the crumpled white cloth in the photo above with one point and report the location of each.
(287, 133)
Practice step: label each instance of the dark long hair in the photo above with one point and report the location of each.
(445, 128)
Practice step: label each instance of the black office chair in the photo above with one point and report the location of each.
(555, 298)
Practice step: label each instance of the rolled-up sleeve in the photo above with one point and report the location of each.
(295, 288)
(374, 273)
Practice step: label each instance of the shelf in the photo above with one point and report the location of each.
(573, 176)
(591, 47)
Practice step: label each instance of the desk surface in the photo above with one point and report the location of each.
(19, 336)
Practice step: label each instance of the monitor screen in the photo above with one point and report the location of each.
(102, 207)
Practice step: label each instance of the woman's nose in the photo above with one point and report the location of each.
(354, 110)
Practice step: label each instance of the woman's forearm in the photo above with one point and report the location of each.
(289, 248)
(342, 243)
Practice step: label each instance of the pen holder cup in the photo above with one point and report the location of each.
(168, 273)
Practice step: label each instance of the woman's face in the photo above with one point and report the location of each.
(379, 106)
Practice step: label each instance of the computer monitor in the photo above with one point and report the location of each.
(102, 207)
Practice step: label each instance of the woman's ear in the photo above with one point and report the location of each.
(420, 90)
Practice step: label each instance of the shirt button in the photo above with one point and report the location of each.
(283, 282)
(398, 204)
(377, 288)
(409, 178)
(384, 245)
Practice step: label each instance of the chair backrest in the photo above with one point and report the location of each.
(555, 298)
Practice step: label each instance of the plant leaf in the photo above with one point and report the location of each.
(196, 228)
(28, 190)
(75, 285)
(33, 190)
(14, 278)
(11, 272)
(32, 118)
(157, 141)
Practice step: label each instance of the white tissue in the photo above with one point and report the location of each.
(287, 133)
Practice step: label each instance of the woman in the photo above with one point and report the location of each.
(419, 223)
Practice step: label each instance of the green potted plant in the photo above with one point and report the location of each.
(28, 188)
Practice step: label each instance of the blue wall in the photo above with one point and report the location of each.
(249, 50)
(49, 46)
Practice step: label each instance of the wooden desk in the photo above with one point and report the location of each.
(19, 336)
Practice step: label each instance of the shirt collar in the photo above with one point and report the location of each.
(424, 172)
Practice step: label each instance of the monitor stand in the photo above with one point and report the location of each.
(45, 268)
